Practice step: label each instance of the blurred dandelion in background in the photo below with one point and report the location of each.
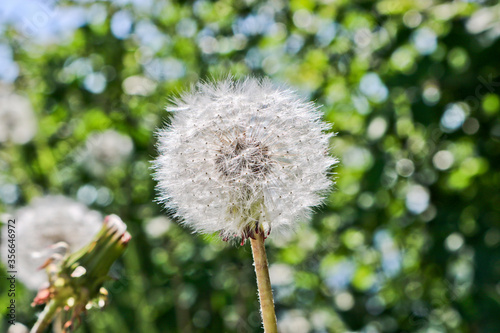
(18, 123)
(103, 150)
(44, 222)
(18, 328)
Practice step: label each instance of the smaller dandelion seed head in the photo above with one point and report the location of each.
(105, 149)
(109, 147)
(18, 328)
(17, 119)
(47, 221)
(241, 155)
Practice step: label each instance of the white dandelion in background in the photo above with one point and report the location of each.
(45, 222)
(17, 119)
(157, 226)
(104, 150)
(243, 154)
(294, 321)
(18, 328)
(243, 158)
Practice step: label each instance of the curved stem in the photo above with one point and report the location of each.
(264, 283)
(45, 317)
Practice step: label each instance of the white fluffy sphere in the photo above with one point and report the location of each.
(47, 221)
(242, 154)
(17, 120)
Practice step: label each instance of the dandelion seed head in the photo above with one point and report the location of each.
(241, 155)
(18, 328)
(17, 119)
(47, 221)
(104, 150)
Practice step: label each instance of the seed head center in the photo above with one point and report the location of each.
(244, 158)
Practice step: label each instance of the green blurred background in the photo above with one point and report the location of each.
(409, 240)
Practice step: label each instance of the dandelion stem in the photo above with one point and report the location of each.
(57, 325)
(46, 317)
(264, 283)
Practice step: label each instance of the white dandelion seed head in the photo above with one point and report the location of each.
(17, 119)
(106, 149)
(294, 321)
(157, 226)
(45, 222)
(239, 154)
(18, 328)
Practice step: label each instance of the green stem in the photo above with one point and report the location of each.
(57, 325)
(264, 283)
(46, 317)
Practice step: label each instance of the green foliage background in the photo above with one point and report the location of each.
(386, 72)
